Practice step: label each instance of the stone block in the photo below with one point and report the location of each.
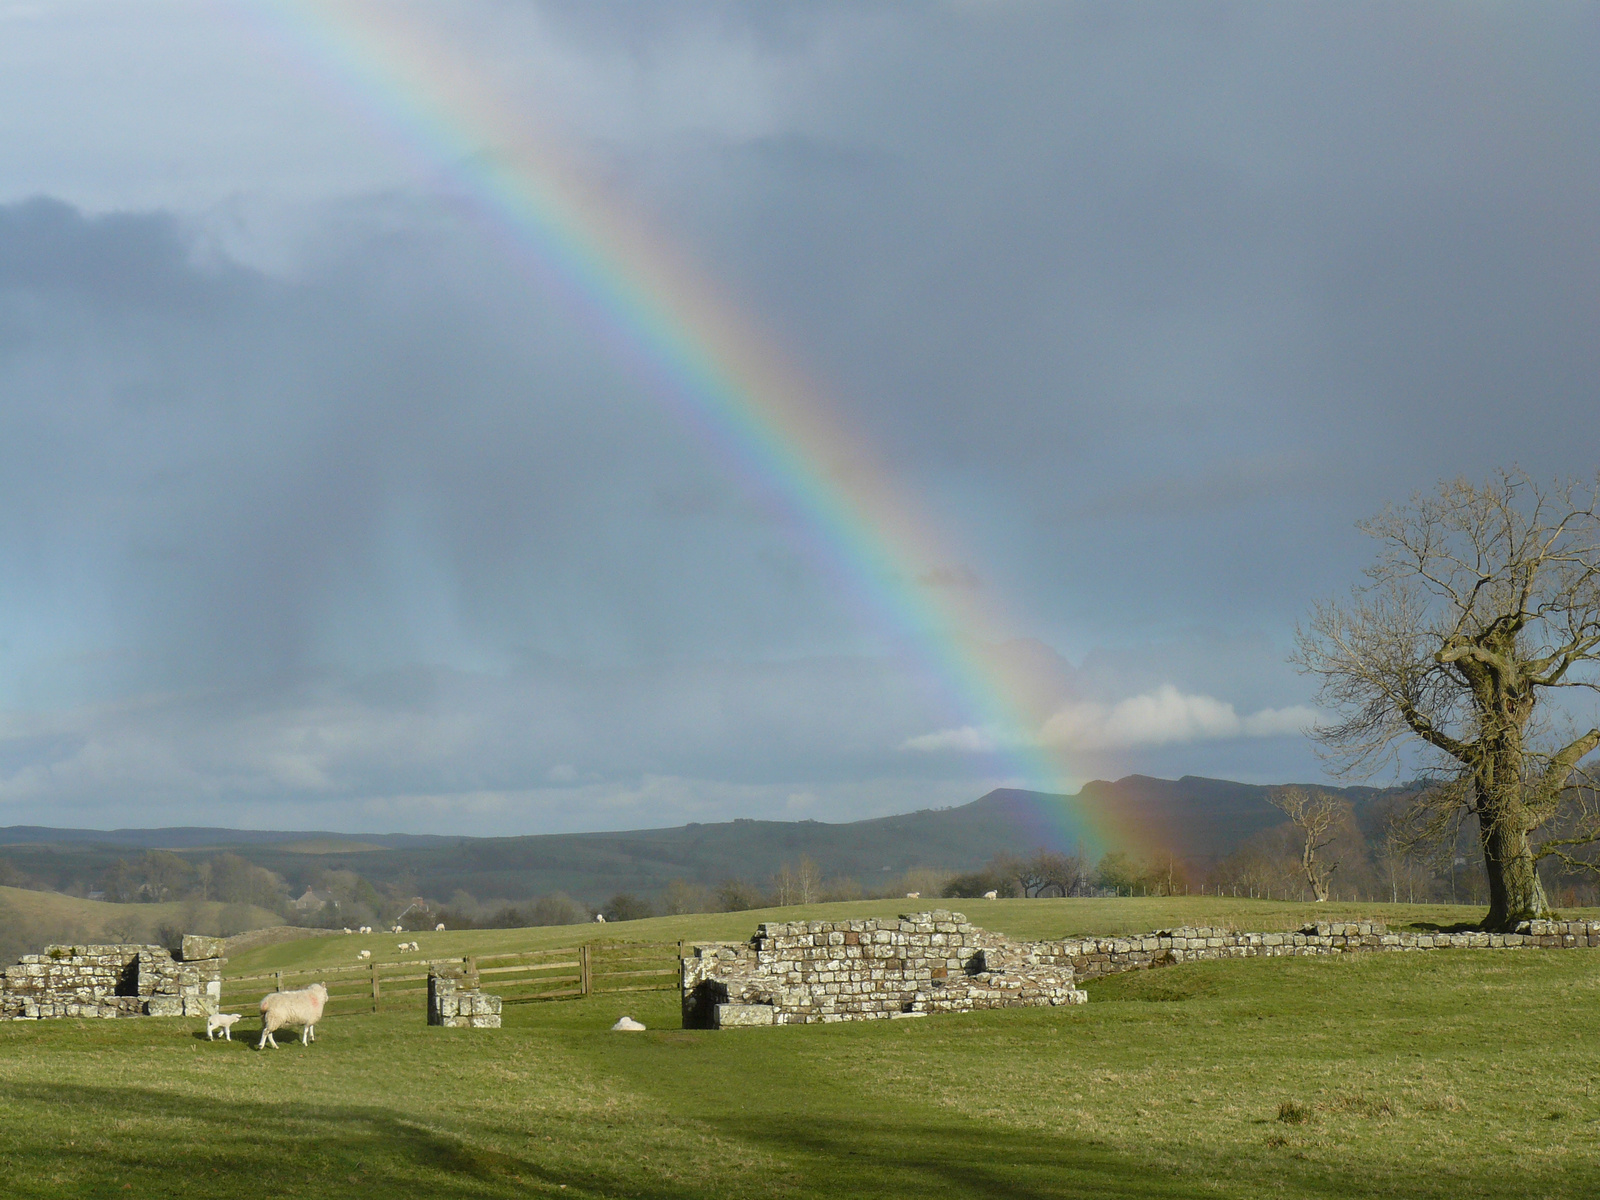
(738, 1016)
(164, 1006)
(196, 947)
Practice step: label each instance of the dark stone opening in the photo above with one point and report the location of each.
(700, 1005)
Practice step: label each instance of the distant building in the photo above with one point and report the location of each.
(311, 902)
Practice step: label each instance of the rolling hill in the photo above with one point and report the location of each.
(1198, 819)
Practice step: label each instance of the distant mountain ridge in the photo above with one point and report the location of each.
(1199, 819)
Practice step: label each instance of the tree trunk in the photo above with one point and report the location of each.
(1515, 892)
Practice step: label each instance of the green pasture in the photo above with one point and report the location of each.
(1030, 919)
(1445, 1074)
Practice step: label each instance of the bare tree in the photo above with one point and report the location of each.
(1319, 818)
(1483, 600)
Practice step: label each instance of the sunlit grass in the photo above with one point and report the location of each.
(1453, 1073)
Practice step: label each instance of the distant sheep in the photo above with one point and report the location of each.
(991, 895)
(365, 929)
(365, 954)
(396, 929)
(600, 917)
(913, 895)
(439, 928)
(413, 946)
(302, 1008)
(349, 931)
(220, 1021)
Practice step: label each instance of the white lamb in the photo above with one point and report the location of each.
(414, 946)
(302, 1008)
(600, 917)
(220, 1021)
(991, 895)
(913, 895)
(405, 945)
(365, 954)
(349, 931)
(439, 928)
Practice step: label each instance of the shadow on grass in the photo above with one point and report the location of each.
(112, 1140)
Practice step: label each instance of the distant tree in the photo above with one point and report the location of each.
(1167, 875)
(557, 908)
(798, 883)
(684, 896)
(738, 895)
(625, 906)
(1483, 600)
(1118, 872)
(1318, 817)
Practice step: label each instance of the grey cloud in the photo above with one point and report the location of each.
(1145, 304)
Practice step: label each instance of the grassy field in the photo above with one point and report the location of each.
(1032, 919)
(1448, 1074)
(32, 918)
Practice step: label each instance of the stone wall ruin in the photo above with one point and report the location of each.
(455, 1002)
(803, 972)
(114, 981)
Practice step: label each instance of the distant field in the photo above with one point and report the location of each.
(1031, 919)
(1442, 1075)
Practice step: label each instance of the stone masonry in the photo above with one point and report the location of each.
(114, 981)
(803, 972)
(1093, 957)
(453, 1004)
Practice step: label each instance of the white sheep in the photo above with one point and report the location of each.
(349, 931)
(365, 929)
(439, 928)
(600, 917)
(396, 929)
(365, 954)
(414, 946)
(222, 1021)
(991, 895)
(405, 945)
(913, 895)
(302, 1008)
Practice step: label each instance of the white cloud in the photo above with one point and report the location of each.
(1150, 719)
(968, 739)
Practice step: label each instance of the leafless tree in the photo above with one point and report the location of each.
(1483, 601)
(1318, 817)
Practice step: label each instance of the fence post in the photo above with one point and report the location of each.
(472, 970)
(583, 968)
(280, 982)
(376, 994)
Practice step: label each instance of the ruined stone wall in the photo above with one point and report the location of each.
(114, 981)
(801, 972)
(1093, 957)
(455, 1002)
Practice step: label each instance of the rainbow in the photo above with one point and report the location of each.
(718, 372)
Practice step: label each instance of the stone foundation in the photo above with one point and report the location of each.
(114, 981)
(803, 972)
(453, 1004)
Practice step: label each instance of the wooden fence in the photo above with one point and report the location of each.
(589, 969)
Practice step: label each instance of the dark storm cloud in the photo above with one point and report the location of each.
(1147, 303)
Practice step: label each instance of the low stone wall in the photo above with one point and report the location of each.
(802, 972)
(114, 981)
(455, 1005)
(1094, 957)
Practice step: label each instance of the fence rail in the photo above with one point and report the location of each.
(560, 973)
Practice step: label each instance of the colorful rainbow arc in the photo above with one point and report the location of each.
(719, 374)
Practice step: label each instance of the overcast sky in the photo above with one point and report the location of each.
(323, 505)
